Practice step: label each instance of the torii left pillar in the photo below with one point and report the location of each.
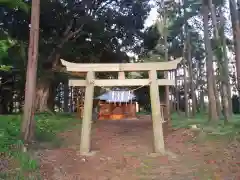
(87, 116)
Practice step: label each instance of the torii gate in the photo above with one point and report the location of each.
(121, 68)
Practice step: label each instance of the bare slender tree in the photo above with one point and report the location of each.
(213, 115)
(30, 86)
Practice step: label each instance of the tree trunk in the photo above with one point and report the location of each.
(177, 93)
(4, 104)
(167, 102)
(6, 96)
(186, 91)
(225, 103)
(224, 96)
(28, 122)
(218, 54)
(45, 95)
(217, 95)
(66, 96)
(238, 6)
(71, 100)
(173, 107)
(236, 37)
(201, 84)
(185, 56)
(222, 59)
(201, 100)
(190, 70)
(52, 94)
(45, 91)
(46, 87)
(42, 95)
(226, 89)
(209, 63)
(225, 68)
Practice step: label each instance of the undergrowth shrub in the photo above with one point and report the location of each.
(9, 132)
(47, 126)
(230, 130)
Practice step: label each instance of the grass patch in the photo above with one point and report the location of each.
(143, 113)
(21, 165)
(48, 125)
(214, 130)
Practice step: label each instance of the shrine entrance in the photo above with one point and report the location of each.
(117, 104)
(152, 81)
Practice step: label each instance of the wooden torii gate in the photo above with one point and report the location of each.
(152, 81)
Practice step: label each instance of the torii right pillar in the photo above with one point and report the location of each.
(157, 118)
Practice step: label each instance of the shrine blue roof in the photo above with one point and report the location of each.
(117, 96)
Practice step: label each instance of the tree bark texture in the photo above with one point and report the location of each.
(30, 87)
(219, 57)
(177, 93)
(186, 91)
(222, 61)
(236, 37)
(167, 94)
(217, 96)
(213, 115)
(190, 70)
(42, 96)
(66, 96)
(45, 95)
(226, 89)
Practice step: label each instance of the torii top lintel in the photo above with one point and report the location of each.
(110, 67)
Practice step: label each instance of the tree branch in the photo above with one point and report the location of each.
(68, 29)
(65, 39)
(73, 35)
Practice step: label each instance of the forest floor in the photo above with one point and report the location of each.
(123, 152)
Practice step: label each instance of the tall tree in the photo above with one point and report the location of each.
(80, 31)
(221, 55)
(163, 15)
(213, 115)
(236, 37)
(186, 52)
(176, 37)
(226, 89)
(190, 72)
(238, 3)
(216, 36)
(30, 87)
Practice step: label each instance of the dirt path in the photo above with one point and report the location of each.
(123, 154)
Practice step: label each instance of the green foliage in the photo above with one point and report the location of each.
(99, 25)
(81, 31)
(26, 162)
(5, 44)
(9, 132)
(177, 16)
(5, 68)
(219, 129)
(15, 4)
(10, 150)
(47, 127)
